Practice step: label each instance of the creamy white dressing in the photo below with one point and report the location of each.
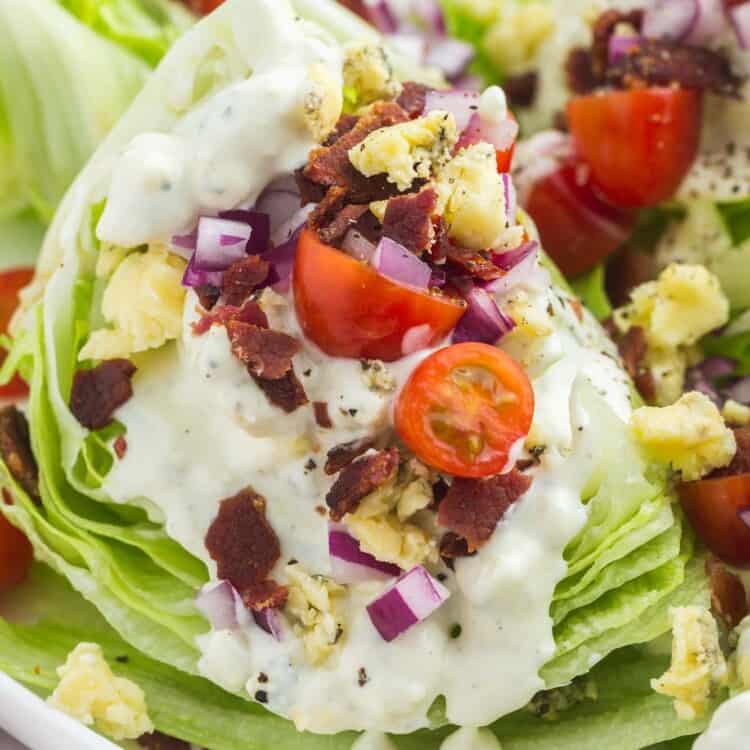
(199, 430)
(469, 738)
(729, 728)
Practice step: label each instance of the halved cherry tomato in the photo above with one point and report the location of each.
(713, 507)
(203, 7)
(639, 144)
(505, 158)
(464, 407)
(350, 310)
(11, 282)
(16, 554)
(576, 226)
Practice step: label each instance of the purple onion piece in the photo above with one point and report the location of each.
(216, 601)
(511, 258)
(710, 23)
(483, 320)
(358, 246)
(717, 367)
(670, 19)
(431, 15)
(438, 278)
(400, 265)
(281, 259)
(349, 564)
(451, 56)
(260, 224)
(744, 515)
(500, 134)
(739, 15)
(220, 243)
(269, 620)
(382, 16)
(194, 277)
(417, 338)
(621, 45)
(461, 104)
(520, 265)
(511, 198)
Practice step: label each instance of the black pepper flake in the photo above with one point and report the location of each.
(362, 678)
(455, 631)
(339, 633)
(262, 678)
(311, 465)
(124, 659)
(441, 577)
(353, 412)
(307, 372)
(261, 696)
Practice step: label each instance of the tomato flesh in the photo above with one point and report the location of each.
(577, 228)
(463, 409)
(505, 158)
(713, 507)
(639, 144)
(16, 554)
(203, 7)
(349, 310)
(11, 283)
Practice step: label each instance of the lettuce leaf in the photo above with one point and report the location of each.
(590, 288)
(736, 216)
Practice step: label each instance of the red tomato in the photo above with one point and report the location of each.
(463, 408)
(350, 310)
(505, 159)
(638, 144)
(11, 282)
(713, 506)
(16, 555)
(203, 7)
(577, 228)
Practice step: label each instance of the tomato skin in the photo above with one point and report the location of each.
(11, 282)
(203, 7)
(577, 228)
(433, 397)
(350, 310)
(505, 158)
(712, 506)
(16, 555)
(639, 144)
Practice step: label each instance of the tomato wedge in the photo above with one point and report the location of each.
(464, 408)
(349, 310)
(16, 554)
(639, 144)
(714, 508)
(203, 7)
(11, 283)
(577, 227)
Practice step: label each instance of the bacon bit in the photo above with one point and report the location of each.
(340, 456)
(322, 417)
(242, 278)
(408, 219)
(286, 392)
(473, 508)
(343, 126)
(266, 353)
(453, 546)
(15, 449)
(250, 312)
(728, 596)
(579, 71)
(472, 263)
(241, 541)
(121, 446)
(359, 479)
(266, 595)
(740, 464)
(633, 347)
(159, 741)
(208, 295)
(413, 98)
(521, 89)
(98, 392)
(345, 219)
(577, 307)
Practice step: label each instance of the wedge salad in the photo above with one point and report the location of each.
(321, 449)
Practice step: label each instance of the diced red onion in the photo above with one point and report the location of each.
(670, 19)
(417, 338)
(739, 15)
(451, 56)
(483, 320)
(740, 391)
(259, 222)
(216, 601)
(468, 82)
(381, 16)
(184, 244)
(520, 265)
(220, 243)
(431, 15)
(620, 45)
(357, 245)
(398, 264)
(538, 157)
(461, 104)
(717, 367)
(280, 200)
(411, 599)
(288, 228)
(194, 277)
(269, 620)
(281, 259)
(500, 134)
(511, 198)
(349, 564)
(744, 515)
(710, 22)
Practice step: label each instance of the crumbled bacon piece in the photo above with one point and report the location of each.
(413, 98)
(15, 449)
(322, 417)
(98, 392)
(740, 464)
(334, 231)
(521, 89)
(159, 741)
(359, 479)
(343, 126)
(408, 219)
(340, 456)
(472, 263)
(728, 596)
(285, 392)
(265, 595)
(579, 72)
(120, 446)
(242, 278)
(208, 295)
(266, 353)
(453, 546)
(473, 508)
(250, 312)
(633, 347)
(241, 541)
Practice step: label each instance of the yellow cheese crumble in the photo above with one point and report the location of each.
(89, 692)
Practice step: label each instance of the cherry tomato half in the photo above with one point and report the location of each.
(577, 227)
(713, 507)
(464, 408)
(639, 144)
(11, 283)
(16, 554)
(349, 310)
(203, 7)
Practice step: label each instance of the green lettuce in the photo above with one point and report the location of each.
(590, 288)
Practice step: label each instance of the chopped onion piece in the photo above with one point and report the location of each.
(483, 320)
(411, 599)
(281, 259)
(670, 19)
(288, 228)
(461, 104)
(349, 564)
(194, 277)
(620, 45)
(357, 245)
(220, 243)
(438, 278)
(710, 22)
(280, 201)
(259, 222)
(269, 620)
(451, 56)
(521, 269)
(416, 339)
(381, 16)
(500, 134)
(511, 258)
(739, 15)
(184, 244)
(431, 15)
(511, 198)
(396, 262)
(217, 602)
(411, 46)
(744, 515)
